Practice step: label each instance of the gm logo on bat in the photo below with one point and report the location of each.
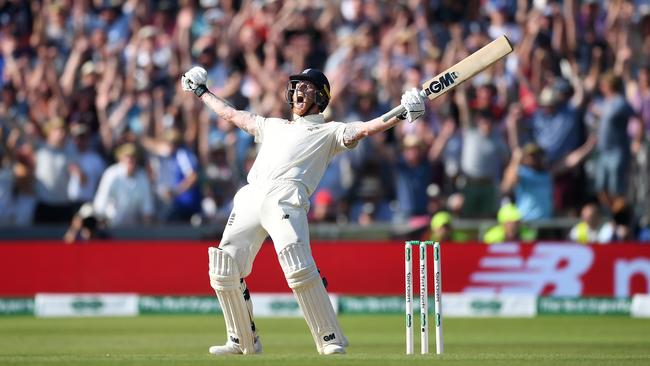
(438, 85)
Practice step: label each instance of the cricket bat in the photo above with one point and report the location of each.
(463, 70)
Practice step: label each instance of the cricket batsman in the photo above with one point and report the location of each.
(291, 161)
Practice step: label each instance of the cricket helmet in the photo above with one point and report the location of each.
(316, 77)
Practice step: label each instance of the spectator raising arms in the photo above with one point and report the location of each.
(107, 72)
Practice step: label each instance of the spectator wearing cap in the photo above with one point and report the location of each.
(558, 129)
(529, 178)
(89, 75)
(54, 164)
(84, 178)
(509, 227)
(124, 195)
(441, 230)
(556, 126)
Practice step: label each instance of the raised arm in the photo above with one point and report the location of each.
(356, 131)
(510, 176)
(412, 102)
(194, 80)
(242, 119)
(575, 157)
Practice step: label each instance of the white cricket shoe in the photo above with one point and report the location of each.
(232, 348)
(333, 349)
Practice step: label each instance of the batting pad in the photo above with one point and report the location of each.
(224, 279)
(305, 281)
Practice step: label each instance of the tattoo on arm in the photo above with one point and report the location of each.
(354, 132)
(242, 119)
(350, 135)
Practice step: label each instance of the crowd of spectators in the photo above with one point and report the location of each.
(92, 114)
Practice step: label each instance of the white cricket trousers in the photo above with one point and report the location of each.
(278, 210)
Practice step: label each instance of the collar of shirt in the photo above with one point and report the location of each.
(311, 119)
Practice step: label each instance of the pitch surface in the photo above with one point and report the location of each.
(375, 340)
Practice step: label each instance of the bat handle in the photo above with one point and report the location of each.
(393, 113)
(398, 110)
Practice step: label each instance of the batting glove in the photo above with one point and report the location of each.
(194, 80)
(413, 103)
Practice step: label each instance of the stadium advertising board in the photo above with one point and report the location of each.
(67, 305)
(557, 269)
(368, 268)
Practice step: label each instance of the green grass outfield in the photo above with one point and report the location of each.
(375, 340)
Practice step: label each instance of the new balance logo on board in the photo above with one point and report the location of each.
(549, 269)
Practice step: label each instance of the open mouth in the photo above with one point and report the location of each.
(300, 97)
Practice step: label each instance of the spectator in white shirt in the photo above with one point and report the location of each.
(124, 196)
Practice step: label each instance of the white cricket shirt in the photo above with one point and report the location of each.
(298, 150)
